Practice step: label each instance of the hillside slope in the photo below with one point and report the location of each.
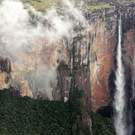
(25, 116)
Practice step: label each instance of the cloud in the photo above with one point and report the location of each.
(31, 40)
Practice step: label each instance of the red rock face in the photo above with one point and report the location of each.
(129, 46)
(101, 65)
(129, 62)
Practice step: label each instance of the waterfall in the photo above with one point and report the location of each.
(119, 99)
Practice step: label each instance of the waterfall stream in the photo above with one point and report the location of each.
(119, 99)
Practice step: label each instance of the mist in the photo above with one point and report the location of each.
(32, 40)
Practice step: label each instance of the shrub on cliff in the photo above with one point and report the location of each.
(102, 125)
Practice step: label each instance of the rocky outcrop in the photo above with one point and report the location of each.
(5, 69)
(25, 89)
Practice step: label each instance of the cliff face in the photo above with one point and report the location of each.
(100, 76)
(101, 65)
(91, 60)
(104, 46)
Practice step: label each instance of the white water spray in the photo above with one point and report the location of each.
(119, 99)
